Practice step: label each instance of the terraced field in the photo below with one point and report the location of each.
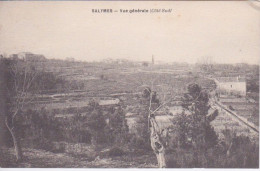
(243, 107)
(225, 120)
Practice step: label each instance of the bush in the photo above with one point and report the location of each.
(230, 107)
(171, 162)
(58, 147)
(138, 143)
(44, 144)
(116, 151)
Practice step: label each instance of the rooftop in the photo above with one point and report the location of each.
(231, 79)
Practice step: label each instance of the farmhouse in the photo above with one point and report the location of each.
(28, 56)
(231, 85)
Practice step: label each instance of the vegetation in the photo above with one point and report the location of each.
(193, 130)
(93, 132)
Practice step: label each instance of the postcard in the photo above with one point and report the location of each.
(129, 84)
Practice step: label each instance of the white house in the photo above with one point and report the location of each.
(231, 85)
(28, 56)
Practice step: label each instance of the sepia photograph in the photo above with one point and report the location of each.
(112, 84)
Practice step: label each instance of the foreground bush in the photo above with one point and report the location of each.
(116, 151)
(242, 154)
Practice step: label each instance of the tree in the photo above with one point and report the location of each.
(117, 125)
(157, 144)
(206, 63)
(17, 80)
(193, 125)
(193, 132)
(155, 96)
(96, 124)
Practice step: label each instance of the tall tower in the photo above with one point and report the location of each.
(152, 60)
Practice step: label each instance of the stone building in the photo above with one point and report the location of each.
(231, 85)
(28, 56)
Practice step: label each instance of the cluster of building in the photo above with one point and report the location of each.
(28, 56)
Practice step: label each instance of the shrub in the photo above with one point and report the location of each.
(116, 151)
(230, 107)
(44, 144)
(58, 147)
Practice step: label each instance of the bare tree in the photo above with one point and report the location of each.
(19, 87)
(156, 142)
(206, 63)
(151, 84)
(156, 133)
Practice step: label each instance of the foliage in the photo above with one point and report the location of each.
(116, 151)
(147, 93)
(193, 128)
(96, 121)
(142, 139)
(244, 154)
(19, 77)
(40, 129)
(253, 85)
(198, 144)
(118, 127)
(48, 81)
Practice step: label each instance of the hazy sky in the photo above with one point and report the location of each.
(229, 32)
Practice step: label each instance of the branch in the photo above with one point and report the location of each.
(7, 125)
(24, 79)
(161, 106)
(151, 96)
(14, 73)
(13, 117)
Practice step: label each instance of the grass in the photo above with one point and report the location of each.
(116, 80)
(35, 158)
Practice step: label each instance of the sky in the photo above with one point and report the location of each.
(228, 32)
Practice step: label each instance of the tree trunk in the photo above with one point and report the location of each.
(229, 149)
(17, 145)
(156, 144)
(161, 159)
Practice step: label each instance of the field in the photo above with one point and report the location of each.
(225, 120)
(243, 107)
(113, 86)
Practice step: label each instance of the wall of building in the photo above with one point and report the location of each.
(233, 87)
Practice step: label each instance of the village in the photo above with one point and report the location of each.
(118, 85)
